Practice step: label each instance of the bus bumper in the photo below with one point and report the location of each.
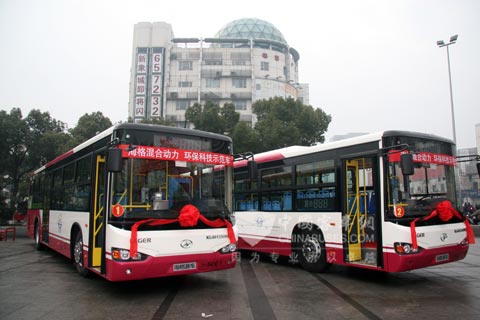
(395, 262)
(155, 267)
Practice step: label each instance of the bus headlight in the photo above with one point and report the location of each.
(405, 248)
(119, 254)
(229, 248)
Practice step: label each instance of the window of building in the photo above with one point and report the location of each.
(212, 83)
(185, 84)
(239, 62)
(240, 104)
(258, 86)
(239, 82)
(264, 66)
(182, 104)
(185, 65)
(213, 62)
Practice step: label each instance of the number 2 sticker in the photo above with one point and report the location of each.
(399, 212)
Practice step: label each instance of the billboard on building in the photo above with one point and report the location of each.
(149, 82)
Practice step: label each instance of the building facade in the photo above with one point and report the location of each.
(247, 60)
(469, 179)
(468, 174)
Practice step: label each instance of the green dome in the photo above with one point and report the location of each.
(251, 28)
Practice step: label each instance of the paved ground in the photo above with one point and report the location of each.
(43, 285)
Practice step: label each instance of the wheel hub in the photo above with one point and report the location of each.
(77, 253)
(311, 250)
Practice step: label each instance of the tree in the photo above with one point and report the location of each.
(245, 138)
(212, 118)
(26, 144)
(286, 122)
(88, 126)
(48, 138)
(13, 150)
(230, 116)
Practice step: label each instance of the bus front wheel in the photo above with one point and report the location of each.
(38, 244)
(310, 250)
(78, 260)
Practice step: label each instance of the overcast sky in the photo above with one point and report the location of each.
(372, 65)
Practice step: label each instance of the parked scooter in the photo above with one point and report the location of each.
(473, 215)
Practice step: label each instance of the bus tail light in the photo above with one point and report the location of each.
(464, 242)
(405, 248)
(119, 254)
(229, 248)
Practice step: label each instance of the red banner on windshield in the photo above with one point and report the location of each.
(159, 153)
(425, 157)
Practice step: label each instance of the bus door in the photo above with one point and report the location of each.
(97, 217)
(46, 208)
(360, 226)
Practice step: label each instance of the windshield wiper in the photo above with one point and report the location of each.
(427, 195)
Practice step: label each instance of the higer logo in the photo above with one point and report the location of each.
(443, 237)
(186, 244)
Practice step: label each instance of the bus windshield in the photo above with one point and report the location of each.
(148, 188)
(433, 180)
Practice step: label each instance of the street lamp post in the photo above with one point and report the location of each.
(441, 44)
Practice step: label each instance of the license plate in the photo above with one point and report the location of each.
(442, 257)
(184, 266)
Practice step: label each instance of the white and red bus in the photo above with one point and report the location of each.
(138, 201)
(381, 201)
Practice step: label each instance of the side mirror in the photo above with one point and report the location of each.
(114, 160)
(406, 164)
(252, 170)
(478, 168)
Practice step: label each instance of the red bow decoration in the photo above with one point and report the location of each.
(445, 212)
(188, 217)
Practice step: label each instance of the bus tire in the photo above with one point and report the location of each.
(77, 256)
(310, 250)
(36, 236)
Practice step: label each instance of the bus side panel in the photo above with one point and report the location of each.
(278, 246)
(263, 231)
(272, 232)
(61, 225)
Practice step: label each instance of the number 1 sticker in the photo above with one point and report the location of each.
(118, 210)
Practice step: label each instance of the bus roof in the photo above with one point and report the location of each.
(133, 126)
(293, 151)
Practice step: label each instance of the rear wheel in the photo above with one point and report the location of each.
(78, 260)
(310, 250)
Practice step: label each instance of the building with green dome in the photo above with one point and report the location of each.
(247, 60)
